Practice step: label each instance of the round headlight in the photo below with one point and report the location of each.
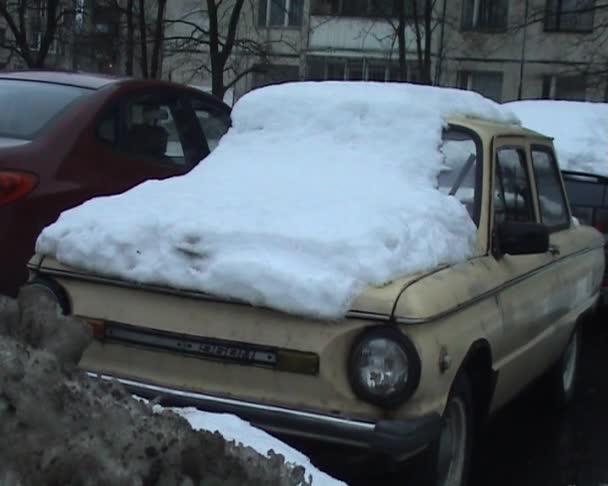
(384, 367)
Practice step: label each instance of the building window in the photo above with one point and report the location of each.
(337, 69)
(280, 13)
(276, 74)
(487, 83)
(572, 88)
(365, 8)
(485, 15)
(2, 37)
(569, 15)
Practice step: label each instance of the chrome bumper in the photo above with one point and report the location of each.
(397, 438)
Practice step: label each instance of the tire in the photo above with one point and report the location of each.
(561, 380)
(447, 461)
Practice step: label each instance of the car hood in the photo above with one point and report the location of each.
(6, 142)
(372, 302)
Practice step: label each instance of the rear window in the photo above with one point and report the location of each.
(588, 197)
(27, 106)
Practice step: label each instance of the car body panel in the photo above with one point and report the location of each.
(521, 309)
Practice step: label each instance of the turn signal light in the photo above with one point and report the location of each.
(15, 184)
(98, 327)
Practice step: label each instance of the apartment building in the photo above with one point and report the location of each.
(505, 49)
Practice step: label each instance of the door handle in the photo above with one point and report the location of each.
(554, 250)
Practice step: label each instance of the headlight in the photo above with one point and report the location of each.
(384, 367)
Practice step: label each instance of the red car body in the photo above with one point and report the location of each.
(90, 147)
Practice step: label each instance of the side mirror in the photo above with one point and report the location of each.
(515, 238)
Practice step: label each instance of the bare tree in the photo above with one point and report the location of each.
(422, 19)
(34, 27)
(142, 23)
(218, 44)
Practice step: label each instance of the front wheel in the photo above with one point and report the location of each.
(562, 378)
(446, 462)
(456, 439)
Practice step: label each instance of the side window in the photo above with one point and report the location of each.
(151, 131)
(145, 127)
(553, 210)
(107, 130)
(460, 174)
(213, 122)
(512, 195)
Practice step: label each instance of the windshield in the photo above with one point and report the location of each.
(27, 106)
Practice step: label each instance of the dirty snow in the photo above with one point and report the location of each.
(318, 190)
(232, 428)
(580, 131)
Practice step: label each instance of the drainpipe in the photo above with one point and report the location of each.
(522, 58)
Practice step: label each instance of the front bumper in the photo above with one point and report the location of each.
(397, 438)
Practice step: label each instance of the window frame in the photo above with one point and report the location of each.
(118, 106)
(553, 160)
(479, 172)
(466, 80)
(464, 27)
(265, 7)
(371, 15)
(559, 13)
(529, 176)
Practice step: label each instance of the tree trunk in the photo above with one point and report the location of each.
(158, 40)
(130, 39)
(217, 64)
(143, 40)
(401, 41)
(428, 46)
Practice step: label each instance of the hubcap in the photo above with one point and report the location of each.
(570, 359)
(452, 444)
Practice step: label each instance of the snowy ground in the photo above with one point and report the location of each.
(318, 190)
(580, 131)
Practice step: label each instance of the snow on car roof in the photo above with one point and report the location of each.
(579, 129)
(317, 191)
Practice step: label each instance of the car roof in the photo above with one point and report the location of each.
(496, 128)
(83, 80)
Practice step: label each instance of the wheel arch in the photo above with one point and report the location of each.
(477, 365)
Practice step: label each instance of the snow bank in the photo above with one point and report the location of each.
(91, 431)
(580, 130)
(318, 190)
(232, 428)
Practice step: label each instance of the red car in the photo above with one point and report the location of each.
(65, 138)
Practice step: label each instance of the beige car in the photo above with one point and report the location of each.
(416, 364)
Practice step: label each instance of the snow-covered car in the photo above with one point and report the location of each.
(375, 266)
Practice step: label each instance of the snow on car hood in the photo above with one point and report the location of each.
(317, 191)
(579, 129)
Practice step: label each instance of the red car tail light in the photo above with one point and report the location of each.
(15, 184)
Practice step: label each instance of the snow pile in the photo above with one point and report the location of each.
(241, 432)
(91, 431)
(580, 130)
(318, 190)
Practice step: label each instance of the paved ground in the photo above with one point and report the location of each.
(526, 445)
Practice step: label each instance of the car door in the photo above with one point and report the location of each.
(528, 281)
(150, 134)
(573, 262)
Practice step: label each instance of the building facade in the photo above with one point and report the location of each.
(505, 49)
